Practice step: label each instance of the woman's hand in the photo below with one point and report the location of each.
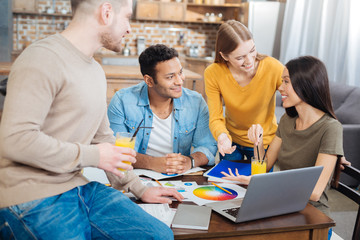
(255, 134)
(343, 161)
(224, 145)
(239, 178)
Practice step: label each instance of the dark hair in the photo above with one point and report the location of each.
(310, 81)
(154, 54)
(230, 34)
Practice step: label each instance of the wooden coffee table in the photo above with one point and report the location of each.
(309, 223)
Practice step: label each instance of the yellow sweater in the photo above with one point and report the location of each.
(244, 106)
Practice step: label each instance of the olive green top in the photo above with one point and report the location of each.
(300, 148)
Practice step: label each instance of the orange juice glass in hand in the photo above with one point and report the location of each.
(123, 139)
(257, 166)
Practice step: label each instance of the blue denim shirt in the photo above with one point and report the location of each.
(190, 123)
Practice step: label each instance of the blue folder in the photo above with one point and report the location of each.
(222, 166)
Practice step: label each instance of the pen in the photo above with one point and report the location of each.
(158, 182)
(221, 188)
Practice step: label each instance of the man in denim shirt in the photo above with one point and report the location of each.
(178, 116)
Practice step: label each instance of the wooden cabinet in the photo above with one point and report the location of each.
(24, 5)
(227, 10)
(192, 10)
(172, 11)
(156, 10)
(197, 65)
(147, 10)
(114, 85)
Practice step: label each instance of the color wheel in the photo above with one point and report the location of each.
(214, 193)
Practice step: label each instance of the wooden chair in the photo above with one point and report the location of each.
(347, 191)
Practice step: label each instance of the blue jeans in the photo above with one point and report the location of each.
(92, 211)
(239, 154)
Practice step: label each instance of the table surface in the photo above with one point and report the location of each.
(299, 224)
(114, 72)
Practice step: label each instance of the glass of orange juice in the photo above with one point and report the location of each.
(123, 139)
(257, 166)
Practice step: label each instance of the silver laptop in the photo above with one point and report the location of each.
(271, 194)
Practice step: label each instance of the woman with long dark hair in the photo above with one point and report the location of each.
(309, 133)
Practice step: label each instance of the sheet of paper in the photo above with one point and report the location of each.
(221, 180)
(159, 176)
(95, 174)
(182, 187)
(203, 194)
(160, 211)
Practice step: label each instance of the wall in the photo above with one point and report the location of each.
(5, 31)
(5, 38)
(29, 28)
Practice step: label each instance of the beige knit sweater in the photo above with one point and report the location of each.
(54, 113)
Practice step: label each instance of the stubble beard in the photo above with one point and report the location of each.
(107, 42)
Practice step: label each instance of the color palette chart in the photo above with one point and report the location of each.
(203, 194)
(214, 193)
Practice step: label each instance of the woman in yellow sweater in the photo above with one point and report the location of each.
(246, 82)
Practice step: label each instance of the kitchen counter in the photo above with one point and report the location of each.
(121, 76)
(114, 72)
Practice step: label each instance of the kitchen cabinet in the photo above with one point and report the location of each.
(24, 5)
(230, 9)
(198, 65)
(192, 11)
(172, 11)
(147, 10)
(156, 10)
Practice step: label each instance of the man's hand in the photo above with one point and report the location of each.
(177, 163)
(224, 145)
(160, 195)
(343, 161)
(112, 157)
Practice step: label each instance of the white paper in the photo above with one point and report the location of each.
(221, 180)
(240, 192)
(95, 174)
(160, 211)
(184, 188)
(158, 176)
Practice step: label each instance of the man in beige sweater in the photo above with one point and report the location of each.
(54, 124)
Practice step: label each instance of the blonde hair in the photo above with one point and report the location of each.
(230, 34)
(87, 6)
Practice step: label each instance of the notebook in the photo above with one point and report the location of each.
(224, 165)
(271, 194)
(192, 216)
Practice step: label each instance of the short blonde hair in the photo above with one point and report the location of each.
(87, 6)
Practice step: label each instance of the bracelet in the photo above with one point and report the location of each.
(192, 161)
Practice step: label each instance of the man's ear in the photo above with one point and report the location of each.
(149, 80)
(223, 56)
(106, 13)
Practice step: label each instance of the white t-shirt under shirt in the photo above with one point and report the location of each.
(160, 142)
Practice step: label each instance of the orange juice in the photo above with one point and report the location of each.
(258, 167)
(123, 140)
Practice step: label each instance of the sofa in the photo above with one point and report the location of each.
(346, 104)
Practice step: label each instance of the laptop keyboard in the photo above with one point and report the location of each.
(232, 211)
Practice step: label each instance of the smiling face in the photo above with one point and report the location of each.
(169, 79)
(288, 94)
(243, 57)
(112, 38)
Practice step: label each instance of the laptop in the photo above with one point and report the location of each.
(271, 194)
